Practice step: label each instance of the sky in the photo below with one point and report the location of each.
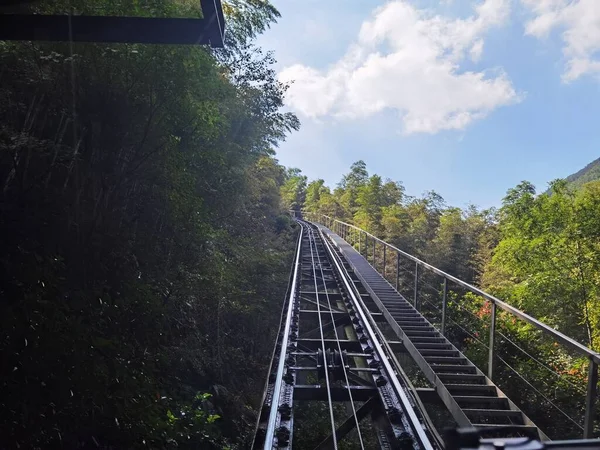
(467, 98)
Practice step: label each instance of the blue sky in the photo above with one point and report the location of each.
(463, 97)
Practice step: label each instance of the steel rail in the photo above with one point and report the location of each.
(566, 340)
(284, 344)
(409, 412)
(311, 241)
(356, 419)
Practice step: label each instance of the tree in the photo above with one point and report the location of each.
(350, 184)
(293, 191)
(547, 261)
(144, 250)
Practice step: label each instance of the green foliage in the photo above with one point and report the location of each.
(293, 191)
(144, 252)
(457, 241)
(548, 259)
(539, 253)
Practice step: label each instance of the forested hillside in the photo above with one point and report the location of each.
(540, 253)
(144, 254)
(591, 172)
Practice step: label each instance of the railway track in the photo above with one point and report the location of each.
(333, 363)
(335, 379)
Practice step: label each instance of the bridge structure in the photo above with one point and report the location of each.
(359, 362)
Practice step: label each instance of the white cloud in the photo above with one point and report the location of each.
(409, 61)
(579, 21)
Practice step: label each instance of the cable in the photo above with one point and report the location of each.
(540, 393)
(520, 376)
(526, 353)
(543, 365)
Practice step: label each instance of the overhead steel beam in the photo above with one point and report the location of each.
(114, 29)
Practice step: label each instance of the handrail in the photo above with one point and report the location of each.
(569, 342)
(594, 357)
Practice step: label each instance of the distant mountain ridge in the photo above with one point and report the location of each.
(591, 172)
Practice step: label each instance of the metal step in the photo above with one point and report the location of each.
(465, 378)
(519, 430)
(431, 345)
(417, 328)
(471, 389)
(453, 368)
(481, 402)
(438, 352)
(494, 416)
(446, 360)
(412, 323)
(421, 333)
(427, 339)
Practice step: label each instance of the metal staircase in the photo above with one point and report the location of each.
(471, 397)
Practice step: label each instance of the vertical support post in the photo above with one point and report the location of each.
(397, 270)
(590, 400)
(415, 297)
(384, 251)
(359, 242)
(444, 305)
(492, 337)
(374, 264)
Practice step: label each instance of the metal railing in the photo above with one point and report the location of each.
(368, 242)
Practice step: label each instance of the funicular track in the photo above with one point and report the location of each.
(330, 351)
(344, 329)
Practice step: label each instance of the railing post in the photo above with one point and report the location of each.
(397, 270)
(415, 297)
(590, 400)
(444, 304)
(384, 251)
(374, 264)
(359, 242)
(492, 336)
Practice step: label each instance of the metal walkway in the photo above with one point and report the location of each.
(471, 397)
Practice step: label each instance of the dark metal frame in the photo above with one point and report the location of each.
(208, 30)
